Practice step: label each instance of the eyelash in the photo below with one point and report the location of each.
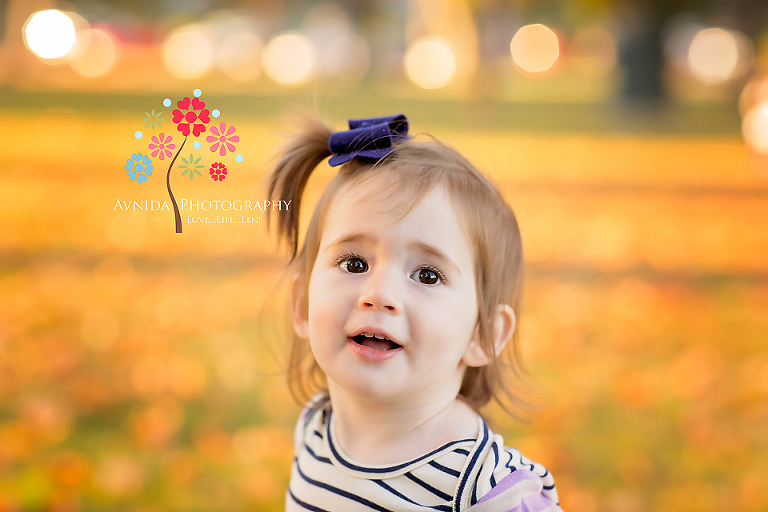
(343, 259)
(440, 275)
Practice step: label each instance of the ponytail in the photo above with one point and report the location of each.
(289, 175)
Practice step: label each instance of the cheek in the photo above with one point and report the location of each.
(326, 307)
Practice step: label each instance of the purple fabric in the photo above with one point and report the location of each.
(530, 503)
(507, 482)
(369, 139)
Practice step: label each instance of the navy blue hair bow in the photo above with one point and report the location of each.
(369, 139)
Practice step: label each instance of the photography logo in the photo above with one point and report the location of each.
(213, 146)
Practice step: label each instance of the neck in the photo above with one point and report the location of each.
(373, 432)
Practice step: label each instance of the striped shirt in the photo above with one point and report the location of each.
(458, 475)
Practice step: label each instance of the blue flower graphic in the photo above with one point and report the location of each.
(139, 167)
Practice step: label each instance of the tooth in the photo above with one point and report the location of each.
(379, 336)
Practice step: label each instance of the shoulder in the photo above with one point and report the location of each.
(503, 479)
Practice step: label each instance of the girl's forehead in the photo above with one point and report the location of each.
(384, 196)
(363, 213)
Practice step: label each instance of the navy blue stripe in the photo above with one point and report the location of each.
(445, 508)
(387, 469)
(471, 465)
(390, 489)
(461, 451)
(437, 492)
(495, 464)
(508, 464)
(318, 434)
(305, 505)
(311, 411)
(317, 457)
(444, 469)
(341, 492)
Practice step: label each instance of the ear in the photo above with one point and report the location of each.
(299, 313)
(504, 323)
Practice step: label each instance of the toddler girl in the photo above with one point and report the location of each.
(403, 297)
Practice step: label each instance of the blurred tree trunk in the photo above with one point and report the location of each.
(640, 55)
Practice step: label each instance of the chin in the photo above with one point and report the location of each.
(371, 387)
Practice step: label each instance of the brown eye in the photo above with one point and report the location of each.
(426, 276)
(354, 265)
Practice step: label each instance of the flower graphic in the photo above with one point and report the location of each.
(191, 166)
(162, 146)
(153, 119)
(218, 171)
(222, 138)
(191, 113)
(139, 167)
(192, 119)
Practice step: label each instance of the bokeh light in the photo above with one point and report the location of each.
(430, 63)
(98, 57)
(755, 128)
(535, 48)
(346, 56)
(713, 55)
(239, 56)
(49, 34)
(756, 91)
(188, 52)
(290, 59)
(340, 52)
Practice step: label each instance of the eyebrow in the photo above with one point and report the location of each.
(346, 239)
(436, 253)
(418, 245)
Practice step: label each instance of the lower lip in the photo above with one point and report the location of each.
(371, 354)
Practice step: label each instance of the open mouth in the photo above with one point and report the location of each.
(375, 341)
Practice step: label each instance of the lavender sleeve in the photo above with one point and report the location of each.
(520, 491)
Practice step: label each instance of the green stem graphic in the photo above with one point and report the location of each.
(170, 193)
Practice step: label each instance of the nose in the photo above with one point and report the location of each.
(380, 292)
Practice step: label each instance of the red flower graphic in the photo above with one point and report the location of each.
(218, 171)
(184, 116)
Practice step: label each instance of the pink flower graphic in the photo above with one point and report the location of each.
(187, 114)
(162, 146)
(218, 171)
(222, 138)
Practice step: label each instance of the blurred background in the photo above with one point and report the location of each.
(140, 368)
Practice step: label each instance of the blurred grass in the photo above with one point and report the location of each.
(717, 119)
(135, 366)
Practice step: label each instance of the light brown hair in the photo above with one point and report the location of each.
(413, 168)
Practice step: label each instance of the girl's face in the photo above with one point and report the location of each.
(392, 308)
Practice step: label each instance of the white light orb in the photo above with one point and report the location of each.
(290, 59)
(755, 128)
(713, 55)
(188, 52)
(535, 48)
(49, 34)
(430, 63)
